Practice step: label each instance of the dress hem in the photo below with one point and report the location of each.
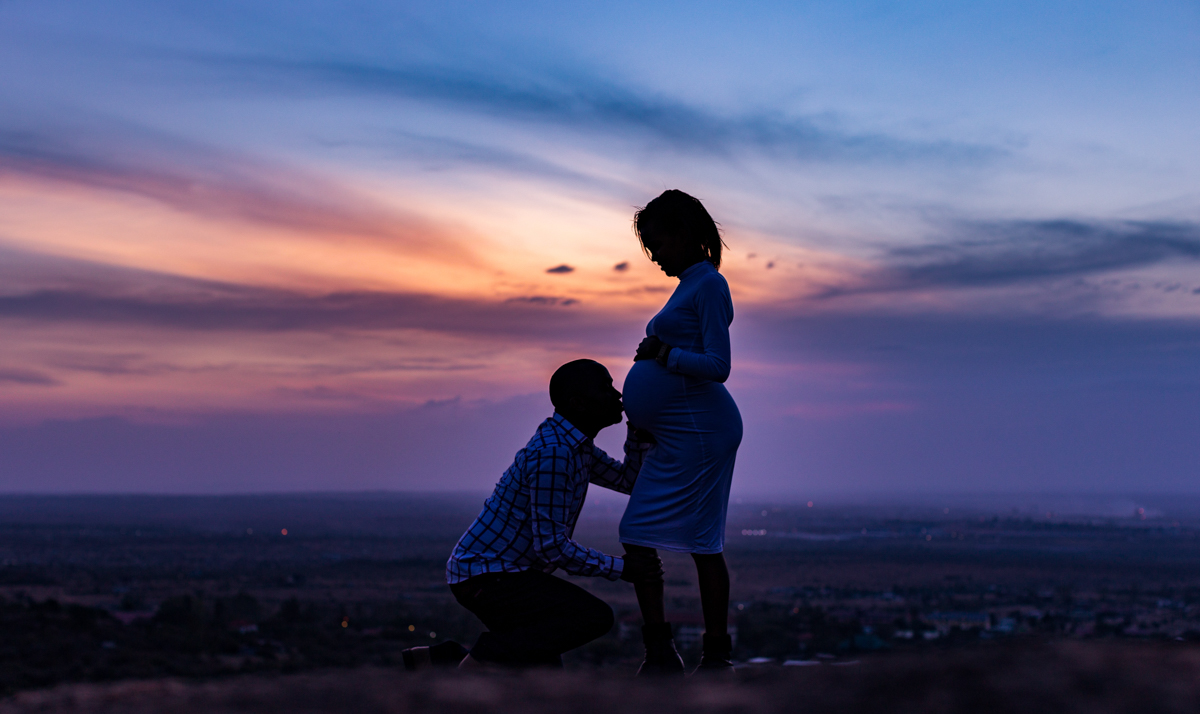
(674, 548)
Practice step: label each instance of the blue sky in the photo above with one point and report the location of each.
(963, 237)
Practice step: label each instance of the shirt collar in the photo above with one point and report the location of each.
(573, 436)
(701, 267)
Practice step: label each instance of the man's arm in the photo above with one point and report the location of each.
(551, 498)
(620, 476)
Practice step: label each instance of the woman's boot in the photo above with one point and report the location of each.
(661, 655)
(717, 652)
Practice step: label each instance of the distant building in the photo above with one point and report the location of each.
(946, 621)
(245, 627)
(689, 628)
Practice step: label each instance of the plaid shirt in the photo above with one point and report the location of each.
(529, 519)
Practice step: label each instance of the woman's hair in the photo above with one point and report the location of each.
(677, 214)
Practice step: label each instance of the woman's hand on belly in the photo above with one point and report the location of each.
(644, 436)
(648, 349)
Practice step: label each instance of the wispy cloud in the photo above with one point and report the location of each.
(977, 352)
(439, 153)
(212, 183)
(275, 310)
(151, 299)
(1015, 252)
(579, 101)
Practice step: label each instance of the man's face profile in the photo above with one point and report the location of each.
(599, 399)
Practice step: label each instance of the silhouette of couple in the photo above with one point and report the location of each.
(683, 434)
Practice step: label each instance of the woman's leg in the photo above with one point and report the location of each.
(649, 594)
(661, 655)
(713, 575)
(714, 600)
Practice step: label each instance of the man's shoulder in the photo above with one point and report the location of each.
(549, 445)
(552, 435)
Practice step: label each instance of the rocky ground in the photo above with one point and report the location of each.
(1063, 678)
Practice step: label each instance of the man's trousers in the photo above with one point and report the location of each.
(532, 617)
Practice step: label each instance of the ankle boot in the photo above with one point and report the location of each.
(446, 654)
(661, 655)
(717, 652)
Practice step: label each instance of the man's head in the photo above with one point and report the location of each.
(583, 392)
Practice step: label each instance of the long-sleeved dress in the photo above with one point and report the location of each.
(682, 493)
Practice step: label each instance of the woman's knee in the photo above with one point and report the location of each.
(708, 559)
(630, 548)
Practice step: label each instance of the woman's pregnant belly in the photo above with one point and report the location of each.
(668, 404)
(649, 387)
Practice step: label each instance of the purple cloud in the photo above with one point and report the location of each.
(1014, 252)
(158, 300)
(26, 376)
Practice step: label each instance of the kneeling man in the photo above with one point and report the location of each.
(501, 568)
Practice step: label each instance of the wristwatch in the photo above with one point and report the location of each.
(663, 352)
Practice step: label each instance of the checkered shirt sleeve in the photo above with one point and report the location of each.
(554, 510)
(529, 520)
(617, 475)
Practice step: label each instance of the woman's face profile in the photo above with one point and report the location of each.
(671, 253)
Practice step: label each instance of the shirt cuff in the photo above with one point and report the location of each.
(615, 570)
(673, 359)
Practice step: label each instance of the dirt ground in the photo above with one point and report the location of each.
(1063, 678)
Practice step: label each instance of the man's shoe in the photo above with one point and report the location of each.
(661, 656)
(716, 658)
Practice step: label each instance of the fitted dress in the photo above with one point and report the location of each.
(682, 493)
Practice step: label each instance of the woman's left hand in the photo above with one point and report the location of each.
(648, 349)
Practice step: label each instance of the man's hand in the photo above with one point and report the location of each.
(642, 568)
(648, 349)
(641, 435)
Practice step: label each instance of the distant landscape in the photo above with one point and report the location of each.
(98, 589)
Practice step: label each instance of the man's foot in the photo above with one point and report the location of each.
(661, 655)
(716, 658)
(445, 654)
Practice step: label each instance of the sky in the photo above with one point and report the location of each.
(298, 246)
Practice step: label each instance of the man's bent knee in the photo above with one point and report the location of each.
(598, 619)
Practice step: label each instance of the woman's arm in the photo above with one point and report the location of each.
(715, 309)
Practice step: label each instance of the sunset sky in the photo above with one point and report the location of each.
(320, 246)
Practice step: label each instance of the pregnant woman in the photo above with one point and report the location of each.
(675, 391)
